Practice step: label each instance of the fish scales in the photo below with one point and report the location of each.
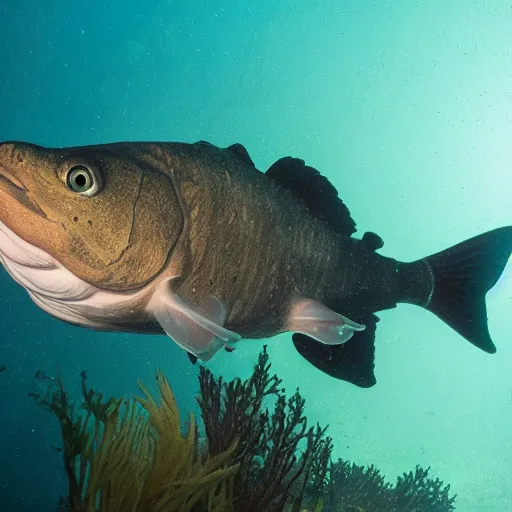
(191, 240)
(274, 250)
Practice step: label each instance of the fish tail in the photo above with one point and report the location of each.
(453, 283)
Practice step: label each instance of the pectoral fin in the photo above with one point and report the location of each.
(321, 323)
(197, 328)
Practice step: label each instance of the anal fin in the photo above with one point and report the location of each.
(352, 362)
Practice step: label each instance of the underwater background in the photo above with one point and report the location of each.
(405, 106)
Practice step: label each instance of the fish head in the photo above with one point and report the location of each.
(109, 214)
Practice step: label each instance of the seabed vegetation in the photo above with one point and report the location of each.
(258, 454)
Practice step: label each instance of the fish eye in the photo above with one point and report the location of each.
(83, 180)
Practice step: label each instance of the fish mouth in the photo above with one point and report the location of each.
(15, 189)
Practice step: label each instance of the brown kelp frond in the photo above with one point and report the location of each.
(131, 455)
(116, 451)
(103, 448)
(272, 469)
(178, 477)
(74, 431)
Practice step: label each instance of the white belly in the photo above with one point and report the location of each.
(62, 294)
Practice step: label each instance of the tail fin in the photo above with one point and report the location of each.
(460, 277)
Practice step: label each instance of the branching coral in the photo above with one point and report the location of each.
(351, 486)
(416, 492)
(272, 472)
(356, 488)
(131, 455)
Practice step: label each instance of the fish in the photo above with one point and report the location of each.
(192, 241)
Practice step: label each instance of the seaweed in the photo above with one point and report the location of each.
(258, 454)
(123, 455)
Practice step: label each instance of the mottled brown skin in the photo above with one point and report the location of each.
(194, 212)
(100, 239)
(256, 246)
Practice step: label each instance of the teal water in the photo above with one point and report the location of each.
(405, 106)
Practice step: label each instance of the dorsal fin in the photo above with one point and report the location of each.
(241, 153)
(236, 149)
(372, 241)
(315, 190)
(205, 143)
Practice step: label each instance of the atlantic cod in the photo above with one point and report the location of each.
(193, 241)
